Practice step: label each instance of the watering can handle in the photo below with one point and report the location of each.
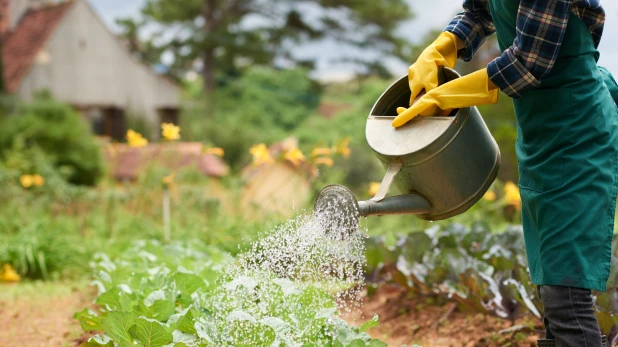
(393, 169)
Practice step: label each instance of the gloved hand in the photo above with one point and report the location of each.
(423, 74)
(470, 90)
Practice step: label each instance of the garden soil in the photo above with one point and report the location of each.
(407, 320)
(42, 321)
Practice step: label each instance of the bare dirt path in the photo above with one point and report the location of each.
(409, 321)
(41, 314)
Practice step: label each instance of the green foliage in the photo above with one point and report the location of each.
(140, 124)
(264, 105)
(51, 231)
(356, 101)
(483, 272)
(57, 131)
(200, 27)
(157, 294)
(500, 119)
(40, 254)
(21, 160)
(8, 104)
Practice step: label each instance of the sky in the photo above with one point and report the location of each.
(429, 15)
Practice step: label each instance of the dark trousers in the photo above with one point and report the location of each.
(569, 316)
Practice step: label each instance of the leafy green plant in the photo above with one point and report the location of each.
(482, 271)
(59, 132)
(41, 255)
(180, 295)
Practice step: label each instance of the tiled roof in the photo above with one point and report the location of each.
(23, 43)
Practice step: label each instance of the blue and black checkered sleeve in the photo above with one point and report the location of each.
(541, 26)
(472, 26)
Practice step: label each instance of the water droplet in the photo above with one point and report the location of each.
(293, 256)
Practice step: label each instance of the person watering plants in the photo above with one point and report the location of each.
(567, 144)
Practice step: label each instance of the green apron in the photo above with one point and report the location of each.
(567, 150)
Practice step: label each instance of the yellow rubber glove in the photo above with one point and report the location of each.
(470, 90)
(423, 74)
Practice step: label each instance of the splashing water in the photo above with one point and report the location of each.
(290, 285)
(301, 251)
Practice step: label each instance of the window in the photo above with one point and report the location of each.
(115, 123)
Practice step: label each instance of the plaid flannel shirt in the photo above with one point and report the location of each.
(541, 25)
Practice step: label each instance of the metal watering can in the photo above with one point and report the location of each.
(440, 165)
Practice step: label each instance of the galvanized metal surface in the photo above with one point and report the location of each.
(336, 209)
(441, 165)
(449, 161)
(392, 171)
(400, 204)
(386, 140)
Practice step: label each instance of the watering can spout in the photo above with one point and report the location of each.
(401, 204)
(339, 211)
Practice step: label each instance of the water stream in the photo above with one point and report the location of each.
(297, 279)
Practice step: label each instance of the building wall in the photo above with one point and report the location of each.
(85, 65)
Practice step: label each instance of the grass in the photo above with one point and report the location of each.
(41, 289)
(53, 235)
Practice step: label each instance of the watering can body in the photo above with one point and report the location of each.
(449, 161)
(439, 166)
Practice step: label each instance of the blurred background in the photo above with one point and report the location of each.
(206, 120)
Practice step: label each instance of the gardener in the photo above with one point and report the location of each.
(567, 143)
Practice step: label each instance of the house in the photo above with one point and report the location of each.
(64, 47)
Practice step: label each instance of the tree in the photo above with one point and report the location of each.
(220, 37)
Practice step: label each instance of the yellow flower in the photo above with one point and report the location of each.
(169, 179)
(295, 156)
(320, 151)
(373, 188)
(170, 132)
(343, 147)
(218, 151)
(489, 196)
(512, 196)
(260, 154)
(8, 274)
(136, 139)
(38, 180)
(324, 161)
(26, 181)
